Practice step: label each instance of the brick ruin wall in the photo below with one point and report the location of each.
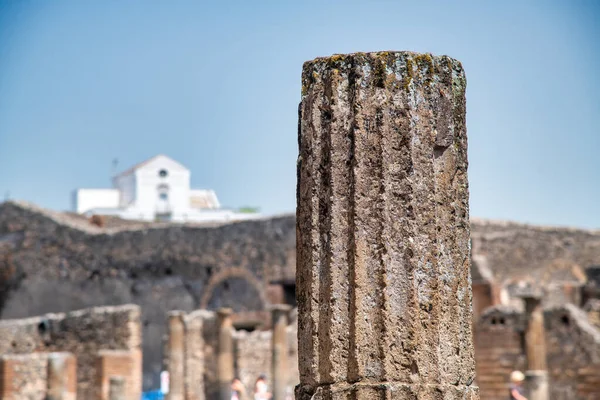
(573, 352)
(498, 350)
(94, 336)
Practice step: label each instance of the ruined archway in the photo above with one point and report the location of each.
(235, 288)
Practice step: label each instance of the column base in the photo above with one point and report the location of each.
(536, 383)
(388, 391)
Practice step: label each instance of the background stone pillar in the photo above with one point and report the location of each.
(279, 350)
(225, 353)
(176, 345)
(62, 376)
(194, 358)
(535, 349)
(383, 255)
(116, 388)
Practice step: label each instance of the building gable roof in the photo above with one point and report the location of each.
(159, 157)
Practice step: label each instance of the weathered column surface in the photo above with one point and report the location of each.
(225, 353)
(535, 349)
(176, 345)
(383, 263)
(62, 376)
(116, 388)
(279, 349)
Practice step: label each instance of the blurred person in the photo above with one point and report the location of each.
(238, 390)
(261, 390)
(517, 392)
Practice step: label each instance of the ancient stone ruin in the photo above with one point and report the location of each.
(384, 296)
(64, 356)
(160, 268)
(204, 353)
(387, 308)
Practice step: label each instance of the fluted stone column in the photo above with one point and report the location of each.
(116, 388)
(176, 359)
(279, 349)
(383, 263)
(225, 353)
(62, 377)
(535, 349)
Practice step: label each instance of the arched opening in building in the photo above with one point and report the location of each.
(236, 293)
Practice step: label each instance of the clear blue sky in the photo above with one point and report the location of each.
(216, 86)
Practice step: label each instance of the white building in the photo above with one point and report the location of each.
(156, 189)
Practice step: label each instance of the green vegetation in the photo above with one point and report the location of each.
(249, 210)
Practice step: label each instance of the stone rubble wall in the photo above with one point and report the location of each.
(538, 254)
(84, 333)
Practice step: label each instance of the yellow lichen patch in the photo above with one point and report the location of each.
(336, 60)
(424, 59)
(425, 63)
(409, 73)
(358, 57)
(410, 67)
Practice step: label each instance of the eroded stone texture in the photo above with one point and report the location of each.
(383, 263)
(279, 350)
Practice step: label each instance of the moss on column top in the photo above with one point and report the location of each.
(388, 68)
